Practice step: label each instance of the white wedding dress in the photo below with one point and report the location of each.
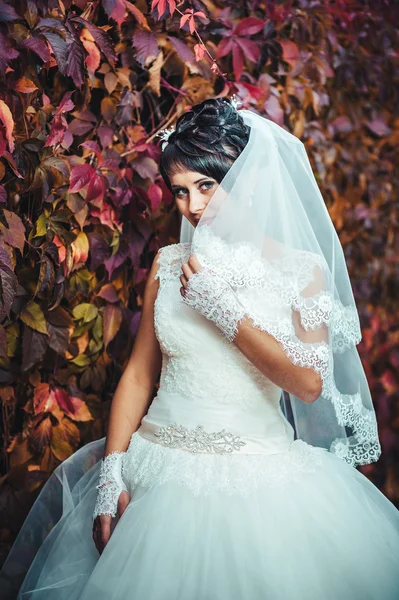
(225, 504)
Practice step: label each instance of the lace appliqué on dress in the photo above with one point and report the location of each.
(198, 440)
(147, 463)
(110, 485)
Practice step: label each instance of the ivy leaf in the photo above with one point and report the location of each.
(85, 312)
(8, 285)
(38, 46)
(33, 316)
(111, 323)
(81, 175)
(249, 26)
(146, 46)
(34, 346)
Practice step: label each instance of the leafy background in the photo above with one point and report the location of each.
(85, 86)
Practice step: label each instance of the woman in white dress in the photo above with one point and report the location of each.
(224, 487)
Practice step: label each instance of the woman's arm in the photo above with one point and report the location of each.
(134, 392)
(265, 352)
(261, 348)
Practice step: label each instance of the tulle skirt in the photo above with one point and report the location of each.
(326, 534)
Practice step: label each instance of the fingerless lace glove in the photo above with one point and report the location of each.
(212, 296)
(110, 485)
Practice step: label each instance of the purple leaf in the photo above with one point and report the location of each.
(136, 244)
(99, 249)
(38, 46)
(102, 40)
(182, 49)
(146, 167)
(60, 49)
(113, 262)
(76, 56)
(146, 45)
(34, 345)
(7, 13)
(3, 194)
(7, 52)
(8, 288)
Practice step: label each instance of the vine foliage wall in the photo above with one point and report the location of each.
(85, 86)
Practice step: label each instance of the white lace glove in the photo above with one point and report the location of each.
(110, 485)
(212, 296)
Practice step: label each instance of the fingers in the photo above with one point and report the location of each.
(123, 502)
(101, 531)
(105, 529)
(189, 268)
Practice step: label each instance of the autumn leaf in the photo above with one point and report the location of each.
(8, 122)
(32, 315)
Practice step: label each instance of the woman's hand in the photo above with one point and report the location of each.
(211, 295)
(102, 523)
(189, 268)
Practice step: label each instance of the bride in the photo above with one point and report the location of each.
(238, 481)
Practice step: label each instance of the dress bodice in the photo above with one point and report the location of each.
(206, 382)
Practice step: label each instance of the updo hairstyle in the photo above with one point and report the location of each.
(207, 139)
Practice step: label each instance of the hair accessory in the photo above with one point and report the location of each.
(236, 102)
(164, 135)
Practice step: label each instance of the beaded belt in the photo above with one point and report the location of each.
(198, 440)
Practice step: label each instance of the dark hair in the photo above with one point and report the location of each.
(207, 139)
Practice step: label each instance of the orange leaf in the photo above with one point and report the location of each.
(8, 122)
(25, 86)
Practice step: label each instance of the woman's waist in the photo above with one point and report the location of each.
(176, 423)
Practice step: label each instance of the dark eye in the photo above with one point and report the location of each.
(207, 184)
(180, 192)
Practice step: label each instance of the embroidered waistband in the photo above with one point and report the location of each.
(198, 440)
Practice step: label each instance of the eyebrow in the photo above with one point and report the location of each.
(195, 182)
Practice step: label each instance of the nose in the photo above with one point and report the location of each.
(197, 203)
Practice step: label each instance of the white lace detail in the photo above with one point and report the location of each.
(213, 297)
(198, 440)
(185, 369)
(110, 485)
(267, 288)
(149, 464)
(282, 282)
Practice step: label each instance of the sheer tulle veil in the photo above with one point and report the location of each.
(267, 230)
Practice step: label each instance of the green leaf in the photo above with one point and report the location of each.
(33, 316)
(85, 311)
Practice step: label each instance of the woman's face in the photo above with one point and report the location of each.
(192, 192)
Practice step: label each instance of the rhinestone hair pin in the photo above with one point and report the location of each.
(164, 135)
(236, 102)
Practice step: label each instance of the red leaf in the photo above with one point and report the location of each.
(44, 399)
(238, 61)
(96, 189)
(183, 19)
(224, 47)
(66, 104)
(249, 26)
(80, 176)
(80, 411)
(290, 52)
(250, 49)
(57, 131)
(155, 196)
